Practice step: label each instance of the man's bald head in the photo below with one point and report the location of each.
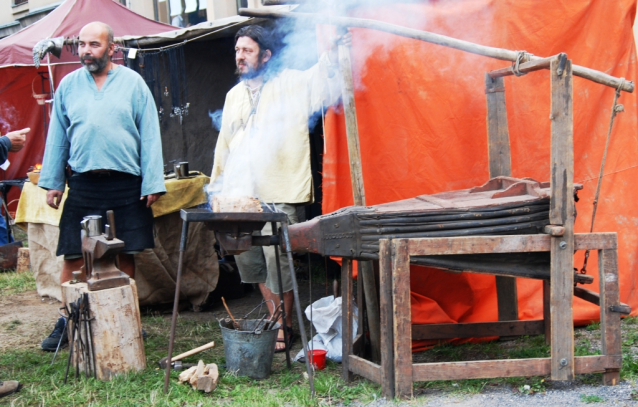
(99, 28)
(96, 46)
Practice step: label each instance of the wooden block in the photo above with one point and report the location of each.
(222, 203)
(24, 262)
(186, 375)
(385, 303)
(198, 373)
(402, 319)
(346, 320)
(609, 321)
(477, 329)
(208, 381)
(365, 368)
(116, 327)
(562, 214)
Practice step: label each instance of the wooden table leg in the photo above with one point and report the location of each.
(402, 318)
(609, 320)
(385, 302)
(346, 320)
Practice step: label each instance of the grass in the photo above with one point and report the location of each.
(14, 283)
(43, 383)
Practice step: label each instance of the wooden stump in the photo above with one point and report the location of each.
(116, 328)
(24, 263)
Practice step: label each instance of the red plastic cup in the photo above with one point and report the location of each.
(317, 358)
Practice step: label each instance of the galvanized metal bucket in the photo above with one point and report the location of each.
(248, 353)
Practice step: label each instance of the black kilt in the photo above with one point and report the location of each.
(94, 194)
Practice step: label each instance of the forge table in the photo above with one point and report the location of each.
(234, 232)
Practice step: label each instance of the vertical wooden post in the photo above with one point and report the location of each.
(498, 144)
(346, 312)
(356, 176)
(562, 213)
(401, 318)
(609, 321)
(385, 300)
(547, 315)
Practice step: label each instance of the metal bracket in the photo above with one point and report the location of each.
(622, 308)
(495, 89)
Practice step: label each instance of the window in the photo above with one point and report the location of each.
(19, 2)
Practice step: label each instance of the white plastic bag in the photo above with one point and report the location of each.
(326, 319)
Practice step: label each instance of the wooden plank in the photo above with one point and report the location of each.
(504, 244)
(561, 213)
(401, 318)
(346, 320)
(356, 177)
(506, 298)
(477, 329)
(526, 67)
(484, 369)
(547, 315)
(609, 321)
(385, 302)
(365, 368)
(500, 164)
(587, 295)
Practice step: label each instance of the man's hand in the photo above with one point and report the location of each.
(53, 198)
(17, 138)
(345, 39)
(150, 199)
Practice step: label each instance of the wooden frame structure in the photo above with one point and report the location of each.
(396, 372)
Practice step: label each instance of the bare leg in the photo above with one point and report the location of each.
(288, 302)
(127, 264)
(68, 267)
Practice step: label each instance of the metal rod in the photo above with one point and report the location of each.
(284, 327)
(492, 52)
(295, 291)
(180, 263)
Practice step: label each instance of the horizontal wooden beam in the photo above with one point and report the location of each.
(503, 244)
(484, 369)
(477, 329)
(365, 368)
(526, 67)
(491, 52)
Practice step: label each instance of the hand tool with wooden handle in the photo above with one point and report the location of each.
(191, 352)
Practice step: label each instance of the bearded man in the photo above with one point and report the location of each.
(263, 148)
(104, 140)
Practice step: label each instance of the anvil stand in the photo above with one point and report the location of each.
(234, 230)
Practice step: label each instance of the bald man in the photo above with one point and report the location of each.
(104, 141)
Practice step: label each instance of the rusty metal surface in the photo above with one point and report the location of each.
(9, 255)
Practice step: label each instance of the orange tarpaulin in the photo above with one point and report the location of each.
(422, 127)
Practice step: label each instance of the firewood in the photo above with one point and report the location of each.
(187, 374)
(208, 381)
(198, 372)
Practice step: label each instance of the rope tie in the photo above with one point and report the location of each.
(615, 109)
(520, 56)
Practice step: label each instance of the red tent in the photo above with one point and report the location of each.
(19, 79)
(422, 126)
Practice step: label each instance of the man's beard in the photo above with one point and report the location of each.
(96, 65)
(252, 72)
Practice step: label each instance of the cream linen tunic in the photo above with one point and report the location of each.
(266, 154)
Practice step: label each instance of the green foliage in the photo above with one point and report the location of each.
(14, 283)
(592, 398)
(537, 386)
(594, 326)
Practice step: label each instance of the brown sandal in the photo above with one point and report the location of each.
(291, 339)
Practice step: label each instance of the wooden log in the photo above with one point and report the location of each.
(208, 381)
(562, 213)
(116, 327)
(477, 329)
(24, 262)
(365, 368)
(484, 369)
(504, 244)
(491, 52)
(346, 320)
(385, 302)
(609, 321)
(402, 319)
(356, 176)
(526, 67)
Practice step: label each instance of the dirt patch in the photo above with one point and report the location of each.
(25, 319)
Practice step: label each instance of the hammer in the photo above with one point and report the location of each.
(177, 365)
(163, 361)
